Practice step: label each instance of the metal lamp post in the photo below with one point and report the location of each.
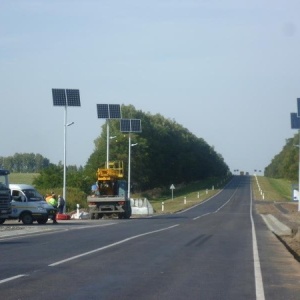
(128, 126)
(129, 164)
(295, 124)
(108, 111)
(65, 159)
(65, 98)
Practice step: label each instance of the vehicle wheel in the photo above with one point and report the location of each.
(2, 221)
(92, 216)
(127, 215)
(121, 216)
(42, 221)
(27, 219)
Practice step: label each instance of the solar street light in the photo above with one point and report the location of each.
(108, 111)
(65, 98)
(128, 126)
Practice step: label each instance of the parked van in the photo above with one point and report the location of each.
(28, 205)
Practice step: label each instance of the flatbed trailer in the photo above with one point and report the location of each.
(109, 206)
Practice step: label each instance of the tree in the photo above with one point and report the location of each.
(285, 164)
(166, 152)
(25, 162)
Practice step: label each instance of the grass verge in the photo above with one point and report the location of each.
(188, 196)
(271, 189)
(24, 178)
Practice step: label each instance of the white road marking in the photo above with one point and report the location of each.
(259, 286)
(109, 246)
(12, 278)
(196, 218)
(41, 230)
(217, 210)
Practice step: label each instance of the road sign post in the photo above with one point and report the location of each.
(172, 188)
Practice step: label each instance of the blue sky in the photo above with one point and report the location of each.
(228, 71)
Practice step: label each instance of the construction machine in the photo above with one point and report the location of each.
(109, 194)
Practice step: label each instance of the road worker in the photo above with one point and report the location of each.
(52, 201)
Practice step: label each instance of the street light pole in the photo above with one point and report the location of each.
(299, 175)
(107, 144)
(65, 97)
(129, 162)
(65, 158)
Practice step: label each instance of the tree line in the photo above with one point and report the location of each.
(286, 163)
(24, 163)
(166, 153)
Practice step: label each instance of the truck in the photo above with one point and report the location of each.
(28, 205)
(5, 196)
(109, 194)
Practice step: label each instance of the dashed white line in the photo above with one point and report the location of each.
(217, 210)
(110, 245)
(12, 278)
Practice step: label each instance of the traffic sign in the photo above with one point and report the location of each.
(172, 187)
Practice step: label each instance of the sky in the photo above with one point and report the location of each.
(228, 71)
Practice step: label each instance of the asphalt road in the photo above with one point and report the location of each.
(217, 250)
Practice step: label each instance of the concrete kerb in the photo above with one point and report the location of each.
(276, 226)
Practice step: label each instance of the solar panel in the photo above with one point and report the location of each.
(295, 121)
(131, 125)
(136, 125)
(114, 111)
(298, 106)
(102, 110)
(59, 97)
(73, 98)
(109, 111)
(125, 125)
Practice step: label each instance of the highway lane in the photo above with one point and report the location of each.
(202, 253)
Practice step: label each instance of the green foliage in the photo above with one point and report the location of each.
(282, 187)
(74, 196)
(24, 163)
(285, 164)
(194, 193)
(161, 194)
(273, 189)
(51, 177)
(25, 178)
(166, 153)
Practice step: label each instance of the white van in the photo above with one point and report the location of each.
(28, 205)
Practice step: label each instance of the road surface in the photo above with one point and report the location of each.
(220, 249)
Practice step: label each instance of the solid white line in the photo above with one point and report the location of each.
(12, 278)
(259, 286)
(109, 246)
(196, 218)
